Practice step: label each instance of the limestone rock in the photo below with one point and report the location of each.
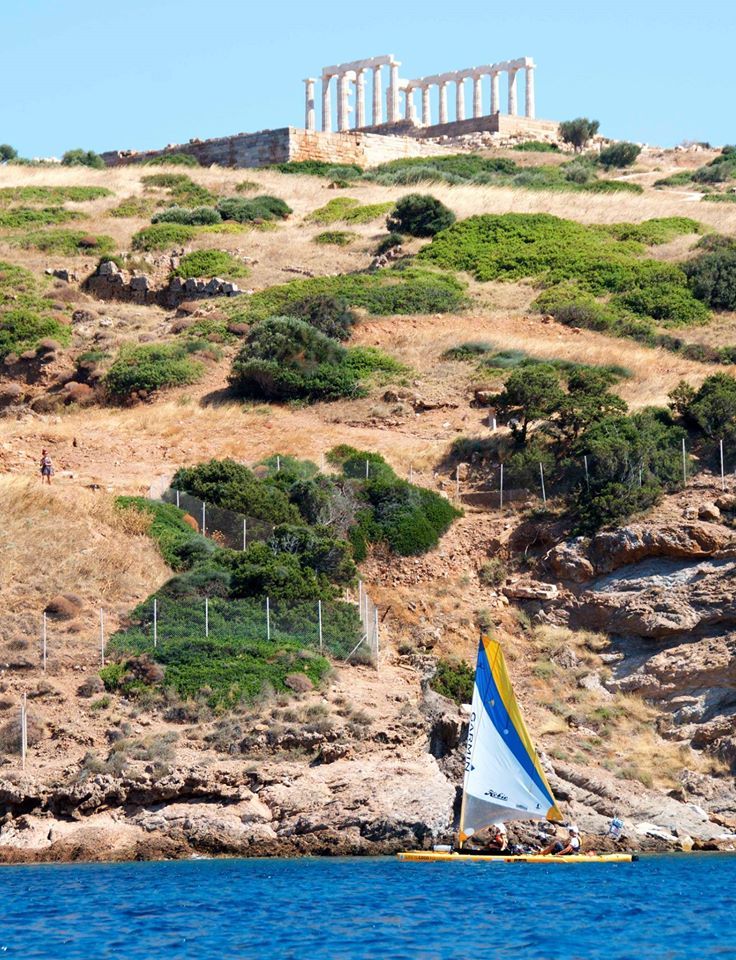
(531, 590)
(569, 560)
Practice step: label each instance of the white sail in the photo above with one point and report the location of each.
(503, 777)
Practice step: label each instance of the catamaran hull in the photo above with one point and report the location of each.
(431, 856)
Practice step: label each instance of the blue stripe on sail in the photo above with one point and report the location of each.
(494, 707)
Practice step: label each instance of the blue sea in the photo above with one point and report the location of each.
(664, 907)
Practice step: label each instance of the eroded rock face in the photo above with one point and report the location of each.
(611, 549)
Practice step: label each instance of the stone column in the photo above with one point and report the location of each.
(408, 94)
(513, 109)
(495, 93)
(443, 101)
(530, 105)
(377, 97)
(460, 98)
(360, 99)
(326, 105)
(393, 94)
(426, 106)
(477, 96)
(343, 89)
(309, 104)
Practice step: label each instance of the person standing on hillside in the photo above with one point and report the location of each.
(47, 467)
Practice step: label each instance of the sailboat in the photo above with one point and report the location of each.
(504, 779)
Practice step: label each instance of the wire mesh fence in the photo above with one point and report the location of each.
(169, 626)
(229, 529)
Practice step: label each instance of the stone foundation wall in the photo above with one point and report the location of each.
(365, 147)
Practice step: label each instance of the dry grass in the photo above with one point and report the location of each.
(53, 541)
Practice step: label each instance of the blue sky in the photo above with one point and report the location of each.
(144, 73)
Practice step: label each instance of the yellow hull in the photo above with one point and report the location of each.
(430, 856)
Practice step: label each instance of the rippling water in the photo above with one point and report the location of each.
(661, 907)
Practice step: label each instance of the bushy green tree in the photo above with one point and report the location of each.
(588, 400)
(712, 277)
(711, 408)
(149, 367)
(631, 462)
(284, 358)
(621, 154)
(7, 152)
(227, 484)
(529, 394)
(579, 131)
(420, 215)
(83, 158)
(193, 216)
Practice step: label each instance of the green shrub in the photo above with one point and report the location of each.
(35, 217)
(230, 485)
(51, 195)
(132, 207)
(453, 679)
(193, 216)
(183, 191)
(7, 152)
(385, 292)
(420, 215)
(284, 358)
(670, 304)
(63, 242)
(83, 158)
(468, 351)
(712, 277)
(149, 367)
(579, 131)
(337, 238)
(389, 242)
(247, 186)
(329, 314)
(536, 146)
(172, 160)
(259, 208)
(159, 236)
(366, 361)
(453, 168)
(348, 210)
(613, 186)
(318, 168)
(210, 263)
(653, 232)
(621, 154)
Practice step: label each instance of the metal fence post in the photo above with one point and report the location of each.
(500, 498)
(684, 464)
(155, 623)
(541, 476)
(723, 472)
(587, 477)
(43, 641)
(23, 731)
(375, 630)
(204, 519)
(268, 618)
(206, 616)
(278, 464)
(319, 621)
(360, 599)
(245, 533)
(367, 469)
(102, 636)
(177, 498)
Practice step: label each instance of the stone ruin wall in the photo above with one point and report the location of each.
(366, 148)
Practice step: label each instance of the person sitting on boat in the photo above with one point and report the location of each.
(562, 849)
(499, 839)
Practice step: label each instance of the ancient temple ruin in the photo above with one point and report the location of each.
(369, 113)
(350, 84)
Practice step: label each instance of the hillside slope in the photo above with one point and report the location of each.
(620, 646)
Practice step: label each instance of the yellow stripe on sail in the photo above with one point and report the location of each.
(503, 683)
